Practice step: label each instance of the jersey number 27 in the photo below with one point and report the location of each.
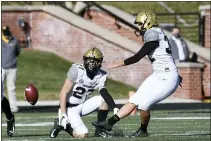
(80, 91)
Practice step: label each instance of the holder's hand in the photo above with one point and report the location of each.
(63, 120)
(116, 110)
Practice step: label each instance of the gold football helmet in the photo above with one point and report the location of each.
(145, 21)
(93, 60)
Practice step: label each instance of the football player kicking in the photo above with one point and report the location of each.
(81, 81)
(10, 117)
(159, 85)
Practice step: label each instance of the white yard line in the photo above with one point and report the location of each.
(178, 118)
(167, 118)
(43, 117)
(95, 115)
(32, 124)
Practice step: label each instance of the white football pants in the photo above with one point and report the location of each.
(74, 113)
(155, 88)
(2, 91)
(10, 76)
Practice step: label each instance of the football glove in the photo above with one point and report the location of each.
(115, 110)
(63, 120)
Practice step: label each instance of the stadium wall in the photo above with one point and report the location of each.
(50, 33)
(205, 12)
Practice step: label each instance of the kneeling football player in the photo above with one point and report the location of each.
(81, 81)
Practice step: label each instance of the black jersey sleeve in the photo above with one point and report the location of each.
(145, 50)
(108, 98)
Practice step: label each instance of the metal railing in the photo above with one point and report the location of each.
(113, 15)
(191, 24)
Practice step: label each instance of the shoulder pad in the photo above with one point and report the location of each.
(151, 35)
(80, 66)
(72, 73)
(101, 73)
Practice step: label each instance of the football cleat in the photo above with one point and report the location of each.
(103, 124)
(56, 129)
(103, 134)
(99, 132)
(11, 126)
(139, 133)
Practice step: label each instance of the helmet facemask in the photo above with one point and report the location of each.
(91, 64)
(141, 30)
(92, 60)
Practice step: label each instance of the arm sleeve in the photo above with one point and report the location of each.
(102, 83)
(18, 49)
(146, 49)
(72, 73)
(108, 98)
(151, 41)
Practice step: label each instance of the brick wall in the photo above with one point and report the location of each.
(112, 24)
(205, 11)
(9, 19)
(191, 85)
(52, 34)
(207, 29)
(206, 79)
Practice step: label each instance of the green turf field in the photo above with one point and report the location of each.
(185, 125)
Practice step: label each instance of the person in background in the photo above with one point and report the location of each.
(10, 51)
(179, 47)
(25, 27)
(10, 117)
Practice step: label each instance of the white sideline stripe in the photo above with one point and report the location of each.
(94, 115)
(178, 118)
(51, 123)
(33, 124)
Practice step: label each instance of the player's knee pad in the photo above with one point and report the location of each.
(102, 101)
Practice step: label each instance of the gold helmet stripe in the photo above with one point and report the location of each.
(94, 53)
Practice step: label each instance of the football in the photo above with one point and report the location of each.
(31, 94)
